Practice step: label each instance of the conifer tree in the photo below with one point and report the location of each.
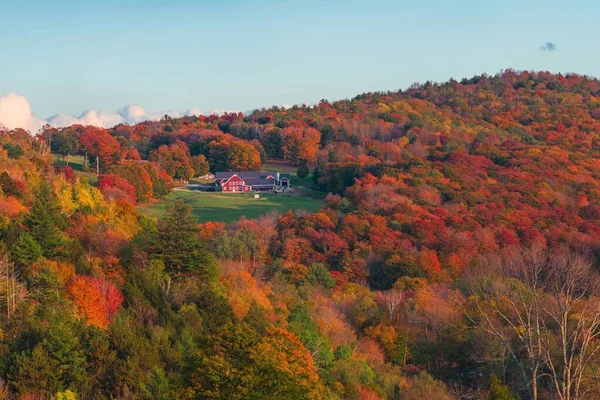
(45, 222)
(178, 245)
(25, 250)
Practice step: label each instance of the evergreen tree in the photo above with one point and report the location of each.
(34, 371)
(65, 350)
(156, 386)
(256, 318)
(45, 222)
(13, 150)
(303, 170)
(498, 390)
(178, 245)
(8, 185)
(25, 250)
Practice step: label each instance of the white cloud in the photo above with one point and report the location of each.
(90, 117)
(193, 111)
(130, 114)
(15, 112)
(133, 113)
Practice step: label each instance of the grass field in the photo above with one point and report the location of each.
(208, 206)
(76, 162)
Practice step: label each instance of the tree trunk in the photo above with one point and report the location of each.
(534, 384)
(404, 356)
(97, 165)
(14, 290)
(7, 293)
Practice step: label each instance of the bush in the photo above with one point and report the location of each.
(303, 171)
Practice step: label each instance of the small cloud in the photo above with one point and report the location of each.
(548, 46)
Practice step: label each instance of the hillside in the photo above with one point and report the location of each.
(455, 256)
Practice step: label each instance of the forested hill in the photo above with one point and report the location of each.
(455, 257)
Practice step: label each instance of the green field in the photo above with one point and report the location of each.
(76, 162)
(208, 206)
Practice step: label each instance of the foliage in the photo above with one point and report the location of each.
(459, 239)
(65, 142)
(177, 244)
(45, 221)
(499, 391)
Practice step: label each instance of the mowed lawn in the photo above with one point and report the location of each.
(207, 206)
(76, 162)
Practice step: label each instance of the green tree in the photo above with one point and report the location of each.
(8, 185)
(178, 246)
(100, 359)
(25, 250)
(46, 220)
(272, 142)
(303, 171)
(64, 143)
(200, 165)
(34, 371)
(223, 369)
(256, 318)
(13, 150)
(157, 385)
(318, 273)
(65, 350)
(342, 352)
(301, 323)
(66, 395)
(498, 390)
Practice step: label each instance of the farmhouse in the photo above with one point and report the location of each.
(251, 181)
(206, 177)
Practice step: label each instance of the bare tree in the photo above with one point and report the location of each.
(9, 287)
(392, 300)
(543, 307)
(509, 309)
(571, 336)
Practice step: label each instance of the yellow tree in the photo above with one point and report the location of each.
(285, 368)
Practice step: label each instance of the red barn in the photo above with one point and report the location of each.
(248, 181)
(235, 184)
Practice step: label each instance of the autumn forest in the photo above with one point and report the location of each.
(456, 254)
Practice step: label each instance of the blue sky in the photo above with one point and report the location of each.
(71, 56)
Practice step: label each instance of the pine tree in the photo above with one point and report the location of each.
(8, 185)
(45, 222)
(34, 371)
(25, 250)
(63, 346)
(178, 245)
(498, 390)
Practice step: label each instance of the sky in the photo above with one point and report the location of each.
(111, 61)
